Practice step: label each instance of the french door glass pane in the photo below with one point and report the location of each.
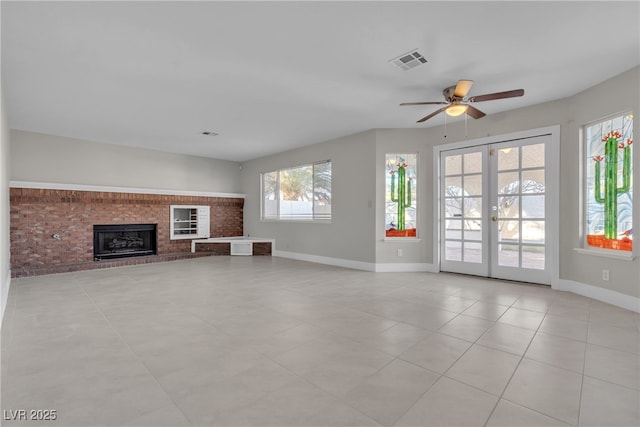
(453, 229)
(508, 255)
(533, 231)
(533, 206)
(453, 186)
(453, 165)
(473, 163)
(533, 156)
(473, 252)
(533, 257)
(509, 231)
(473, 185)
(508, 158)
(473, 207)
(533, 181)
(472, 229)
(452, 250)
(508, 182)
(453, 207)
(509, 207)
(472, 232)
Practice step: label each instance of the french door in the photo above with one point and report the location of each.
(494, 210)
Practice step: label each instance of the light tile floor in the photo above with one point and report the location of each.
(249, 341)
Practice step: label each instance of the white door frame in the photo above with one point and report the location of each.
(552, 193)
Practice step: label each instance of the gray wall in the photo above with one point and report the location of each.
(5, 164)
(350, 235)
(357, 232)
(39, 157)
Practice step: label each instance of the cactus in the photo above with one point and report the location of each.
(611, 189)
(403, 197)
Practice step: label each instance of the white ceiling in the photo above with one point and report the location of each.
(272, 76)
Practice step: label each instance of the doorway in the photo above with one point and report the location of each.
(497, 208)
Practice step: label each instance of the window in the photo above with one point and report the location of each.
(400, 195)
(299, 193)
(609, 186)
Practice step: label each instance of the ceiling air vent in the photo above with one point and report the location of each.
(409, 60)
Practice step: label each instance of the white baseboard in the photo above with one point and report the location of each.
(4, 287)
(338, 262)
(605, 295)
(406, 267)
(359, 265)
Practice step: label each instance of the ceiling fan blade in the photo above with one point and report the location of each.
(431, 115)
(462, 88)
(424, 103)
(497, 95)
(474, 112)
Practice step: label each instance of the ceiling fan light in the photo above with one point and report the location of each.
(456, 110)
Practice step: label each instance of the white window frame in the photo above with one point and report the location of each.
(278, 217)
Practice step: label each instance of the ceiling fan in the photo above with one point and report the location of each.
(457, 102)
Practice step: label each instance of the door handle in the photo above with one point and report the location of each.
(494, 218)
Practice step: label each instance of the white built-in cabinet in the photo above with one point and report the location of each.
(190, 222)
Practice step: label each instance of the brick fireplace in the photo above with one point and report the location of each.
(52, 231)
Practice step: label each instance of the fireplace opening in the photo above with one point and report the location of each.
(124, 240)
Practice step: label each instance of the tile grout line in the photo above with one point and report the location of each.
(514, 373)
(584, 364)
(301, 377)
(441, 375)
(336, 397)
(341, 399)
(138, 359)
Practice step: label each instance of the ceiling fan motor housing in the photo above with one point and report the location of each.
(449, 94)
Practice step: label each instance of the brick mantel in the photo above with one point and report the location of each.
(37, 214)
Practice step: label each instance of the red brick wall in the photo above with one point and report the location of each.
(38, 214)
(262, 248)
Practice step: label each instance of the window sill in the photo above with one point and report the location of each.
(298, 221)
(402, 239)
(621, 255)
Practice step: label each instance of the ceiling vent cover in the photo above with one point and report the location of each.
(409, 60)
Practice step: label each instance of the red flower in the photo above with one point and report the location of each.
(598, 158)
(621, 145)
(613, 134)
(392, 172)
(629, 141)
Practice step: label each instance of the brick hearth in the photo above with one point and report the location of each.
(38, 214)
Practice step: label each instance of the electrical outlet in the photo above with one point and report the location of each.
(399, 252)
(605, 275)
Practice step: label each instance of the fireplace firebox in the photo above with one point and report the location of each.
(124, 240)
